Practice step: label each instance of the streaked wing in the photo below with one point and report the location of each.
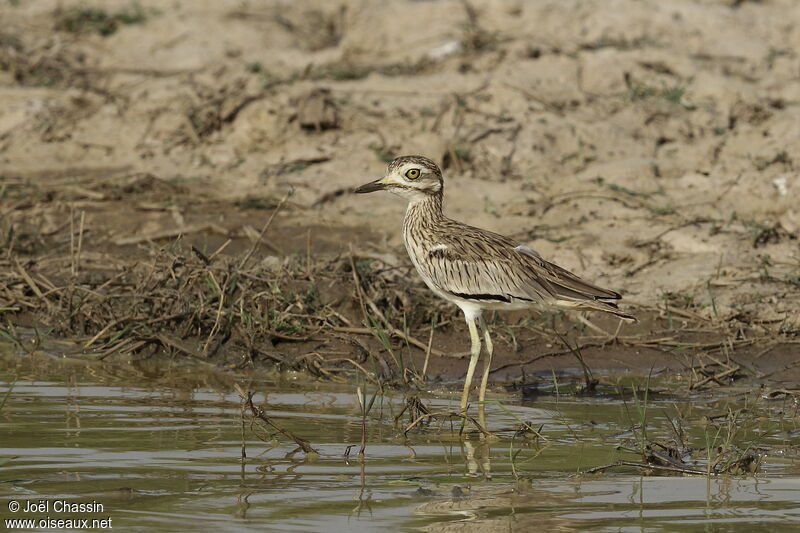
(564, 283)
(481, 265)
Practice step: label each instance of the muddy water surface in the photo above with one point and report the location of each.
(168, 458)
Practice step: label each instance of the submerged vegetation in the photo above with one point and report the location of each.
(555, 456)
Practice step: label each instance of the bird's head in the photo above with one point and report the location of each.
(411, 176)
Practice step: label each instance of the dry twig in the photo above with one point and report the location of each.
(258, 413)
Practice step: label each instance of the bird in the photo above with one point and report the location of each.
(477, 269)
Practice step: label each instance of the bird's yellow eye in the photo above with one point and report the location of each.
(412, 174)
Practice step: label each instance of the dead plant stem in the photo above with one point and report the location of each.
(257, 412)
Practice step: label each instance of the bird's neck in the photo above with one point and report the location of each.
(425, 210)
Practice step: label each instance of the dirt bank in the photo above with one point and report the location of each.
(649, 147)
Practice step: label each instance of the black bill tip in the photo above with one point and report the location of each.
(372, 186)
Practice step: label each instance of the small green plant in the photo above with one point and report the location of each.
(383, 153)
(340, 71)
(624, 190)
(462, 152)
(775, 53)
(712, 298)
(724, 455)
(282, 324)
(489, 207)
(95, 20)
(662, 210)
(475, 37)
(296, 166)
(640, 435)
(255, 67)
(640, 91)
(7, 335)
(382, 335)
(673, 94)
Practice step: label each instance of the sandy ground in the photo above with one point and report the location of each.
(645, 145)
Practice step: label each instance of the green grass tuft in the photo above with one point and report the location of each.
(99, 21)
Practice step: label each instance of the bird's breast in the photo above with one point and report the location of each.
(419, 249)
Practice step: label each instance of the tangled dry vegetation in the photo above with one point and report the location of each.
(332, 314)
(57, 280)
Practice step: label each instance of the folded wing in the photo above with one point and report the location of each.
(484, 266)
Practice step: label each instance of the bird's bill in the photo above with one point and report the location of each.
(377, 185)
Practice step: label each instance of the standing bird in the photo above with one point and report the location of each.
(478, 269)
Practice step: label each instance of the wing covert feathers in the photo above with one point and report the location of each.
(462, 260)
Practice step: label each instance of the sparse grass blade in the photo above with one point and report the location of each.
(7, 394)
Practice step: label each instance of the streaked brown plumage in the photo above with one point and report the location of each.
(477, 269)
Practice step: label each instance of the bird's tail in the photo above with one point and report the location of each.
(596, 305)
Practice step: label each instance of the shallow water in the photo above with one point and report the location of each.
(167, 458)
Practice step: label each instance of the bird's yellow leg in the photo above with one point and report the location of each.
(486, 366)
(478, 459)
(488, 361)
(473, 360)
(472, 464)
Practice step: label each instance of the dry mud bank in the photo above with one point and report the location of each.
(650, 147)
